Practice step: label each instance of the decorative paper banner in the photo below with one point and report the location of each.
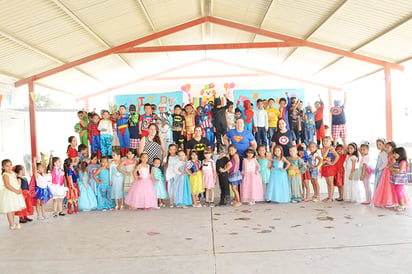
(155, 98)
(276, 94)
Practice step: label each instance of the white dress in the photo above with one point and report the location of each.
(351, 188)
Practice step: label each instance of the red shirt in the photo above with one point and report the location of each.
(71, 153)
(319, 113)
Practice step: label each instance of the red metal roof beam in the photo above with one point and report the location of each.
(107, 52)
(227, 46)
(313, 45)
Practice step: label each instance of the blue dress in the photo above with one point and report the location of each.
(104, 199)
(117, 179)
(183, 195)
(278, 189)
(87, 199)
(92, 171)
(264, 171)
(160, 187)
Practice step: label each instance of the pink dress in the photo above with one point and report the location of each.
(385, 195)
(251, 189)
(142, 194)
(209, 174)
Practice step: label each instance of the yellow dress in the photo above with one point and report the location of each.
(10, 201)
(196, 181)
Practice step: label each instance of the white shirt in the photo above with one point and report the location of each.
(260, 118)
(105, 127)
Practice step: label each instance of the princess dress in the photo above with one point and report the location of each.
(264, 170)
(209, 174)
(43, 191)
(385, 195)
(160, 187)
(251, 190)
(295, 178)
(183, 195)
(401, 179)
(142, 194)
(128, 179)
(9, 200)
(104, 190)
(27, 198)
(117, 179)
(92, 171)
(170, 177)
(87, 199)
(351, 188)
(196, 180)
(57, 186)
(278, 189)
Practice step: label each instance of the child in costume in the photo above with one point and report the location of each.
(159, 182)
(117, 180)
(206, 122)
(73, 192)
(235, 177)
(72, 149)
(278, 189)
(223, 166)
(177, 126)
(247, 113)
(183, 196)
(106, 134)
(351, 186)
(295, 170)
(303, 154)
(251, 189)
(339, 121)
(82, 152)
(273, 116)
(309, 126)
(134, 127)
(163, 122)
(145, 120)
(87, 198)
(260, 124)
(314, 162)
(193, 168)
(265, 164)
(43, 192)
(115, 142)
(319, 125)
(399, 177)
(81, 127)
(25, 213)
(170, 162)
(339, 178)
(209, 177)
(190, 122)
(93, 167)
(57, 187)
(102, 177)
(94, 134)
(142, 194)
(365, 172)
(122, 123)
(329, 159)
(230, 117)
(382, 161)
(11, 197)
(129, 165)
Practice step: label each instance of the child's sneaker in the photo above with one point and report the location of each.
(55, 214)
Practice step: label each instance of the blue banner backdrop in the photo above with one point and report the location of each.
(276, 94)
(168, 98)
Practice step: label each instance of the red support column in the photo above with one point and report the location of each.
(388, 93)
(32, 117)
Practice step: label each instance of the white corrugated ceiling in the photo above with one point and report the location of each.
(37, 35)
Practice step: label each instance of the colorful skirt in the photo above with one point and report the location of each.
(58, 191)
(328, 171)
(87, 199)
(142, 194)
(182, 194)
(235, 178)
(251, 190)
(296, 188)
(160, 189)
(43, 194)
(278, 189)
(196, 183)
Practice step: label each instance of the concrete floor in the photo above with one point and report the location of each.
(265, 238)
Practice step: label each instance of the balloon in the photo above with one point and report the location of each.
(255, 96)
(226, 85)
(188, 86)
(183, 88)
(232, 85)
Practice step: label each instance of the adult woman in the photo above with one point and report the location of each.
(197, 143)
(153, 144)
(240, 137)
(283, 137)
